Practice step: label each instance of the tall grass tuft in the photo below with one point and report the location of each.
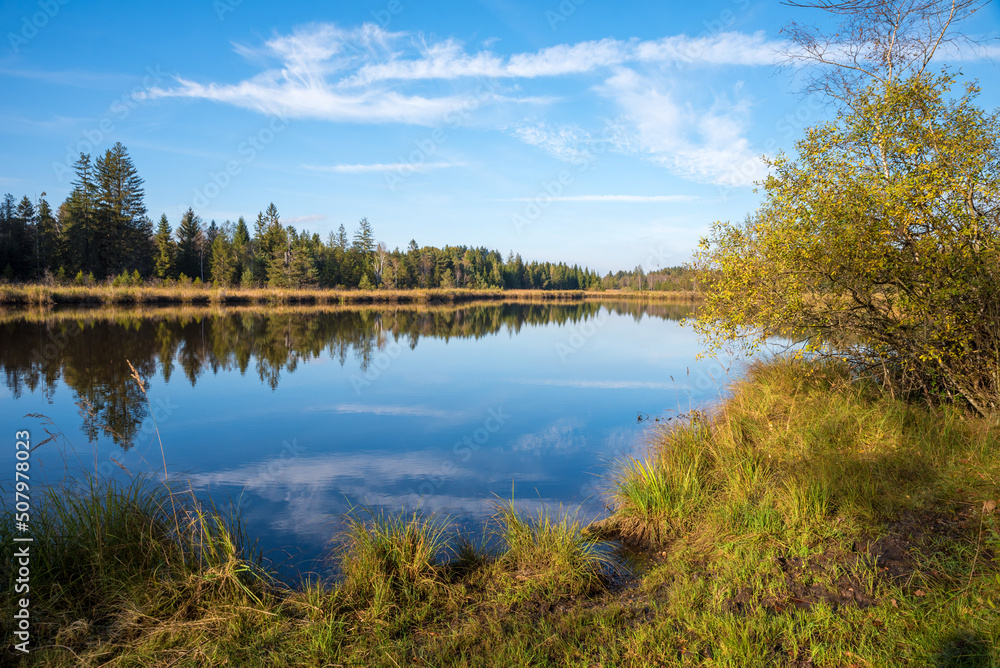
(390, 557)
(107, 555)
(657, 498)
(549, 553)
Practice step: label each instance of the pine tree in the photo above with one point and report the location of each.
(302, 270)
(364, 247)
(271, 243)
(242, 248)
(271, 214)
(79, 243)
(279, 240)
(122, 228)
(189, 240)
(166, 250)
(47, 234)
(23, 241)
(223, 262)
(441, 268)
(7, 222)
(241, 236)
(211, 232)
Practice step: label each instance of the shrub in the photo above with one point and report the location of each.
(881, 245)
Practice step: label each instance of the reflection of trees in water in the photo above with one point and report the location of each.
(89, 352)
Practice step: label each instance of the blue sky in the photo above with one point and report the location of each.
(603, 133)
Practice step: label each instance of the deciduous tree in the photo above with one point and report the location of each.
(880, 243)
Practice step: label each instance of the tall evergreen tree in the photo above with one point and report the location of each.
(77, 215)
(242, 248)
(279, 241)
(302, 268)
(47, 235)
(364, 239)
(166, 250)
(122, 230)
(7, 250)
(23, 242)
(241, 235)
(268, 236)
(273, 250)
(211, 232)
(363, 248)
(189, 241)
(342, 239)
(223, 262)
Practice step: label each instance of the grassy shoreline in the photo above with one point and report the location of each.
(52, 295)
(806, 521)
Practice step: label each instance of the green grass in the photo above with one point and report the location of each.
(807, 521)
(390, 558)
(547, 555)
(112, 561)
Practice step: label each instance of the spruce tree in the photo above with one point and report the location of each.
(223, 262)
(79, 243)
(363, 247)
(280, 240)
(302, 270)
(47, 231)
(122, 229)
(211, 232)
(189, 240)
(7, 251)
(342, 239)
(166, 250)
(25, 253)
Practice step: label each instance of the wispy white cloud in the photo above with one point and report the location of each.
(283, 93)
(406, 411)
(448, 59)
(314, 60)
(727, 48)
(706, 145)
(342, 74)
(382, 167)
(370, 75)
(568, 142)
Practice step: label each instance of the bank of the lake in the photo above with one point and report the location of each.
(187, 293)
(806, 521)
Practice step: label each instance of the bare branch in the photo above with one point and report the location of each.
(875, 41)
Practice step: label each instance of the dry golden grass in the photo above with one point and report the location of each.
(49, 295)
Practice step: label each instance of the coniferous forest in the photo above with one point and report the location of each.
(103, 232)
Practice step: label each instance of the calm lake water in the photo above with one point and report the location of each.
(297, 414)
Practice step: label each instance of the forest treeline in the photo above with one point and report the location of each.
(102, 232)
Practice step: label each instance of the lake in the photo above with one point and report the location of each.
(296, 414)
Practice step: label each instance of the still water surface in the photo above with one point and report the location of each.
(296, 414)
